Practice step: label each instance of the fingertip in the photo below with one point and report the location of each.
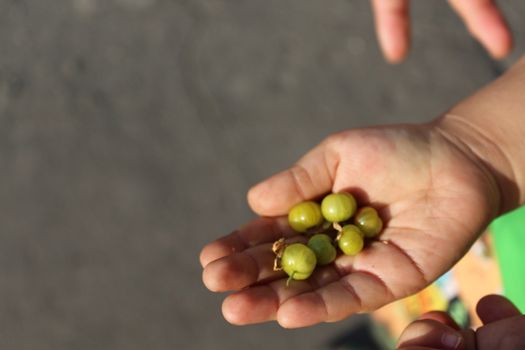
(255, 198)
(486, 22)
(301, 311)
(441, 317)
(275, 195)
(395, 44)
(220, 248)
(494, 307)
(202, 257)
(253, 305)
(394, 40)
(393, 29)
(210, 279)
(431, 333)
(232, 311)
(502, 49)
(395, 55)
(230, 273)
(262, 198)
(498, 42)
(285, 321)
(210, 253)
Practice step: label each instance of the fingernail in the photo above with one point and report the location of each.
(451, 340)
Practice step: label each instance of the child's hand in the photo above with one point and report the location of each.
(434, 194)
(503, 329)
(482, 18)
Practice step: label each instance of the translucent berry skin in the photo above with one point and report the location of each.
(338, 207)
(304, 216)
(298, 261)
(323, 248)
(351, 240)
(368, 221)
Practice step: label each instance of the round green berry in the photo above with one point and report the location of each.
(323, 248)
(338, 207)
(351, 240)
(368, 221)
(304, 216)
(298, 261)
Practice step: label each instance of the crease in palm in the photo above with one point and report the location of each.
(435, 202)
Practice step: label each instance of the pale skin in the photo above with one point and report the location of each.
(482, 18)
(437, 186)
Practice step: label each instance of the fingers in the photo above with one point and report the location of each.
(432, 334)
(503, 329)
(305, 303)
(351, 285)
(356, 292)
(312, 176)
(482, 17)
(367, 282)
(492, 308)
(258, 231)
(238, 261)
(441, 317)
(262, 302)
(486, 23)
(240, 270)
(506, 334)
(393, 28)
(469, 339)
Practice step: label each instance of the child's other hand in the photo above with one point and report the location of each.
(482, 18)
(503, 329)
(435, 197)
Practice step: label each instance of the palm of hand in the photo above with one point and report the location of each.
(435, 197)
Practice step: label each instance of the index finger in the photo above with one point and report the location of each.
(392, 27)
(258, 231)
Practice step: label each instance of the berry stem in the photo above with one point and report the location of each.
(290, 278)
(278, 247)
(277, 264)
(339, 231)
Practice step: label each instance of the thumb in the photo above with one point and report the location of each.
(312, 176)
(492, 308)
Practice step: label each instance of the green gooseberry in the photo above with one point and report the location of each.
(323, 248)
(368, 221)
(338, 207)
(351, 240)
(305, 215)
(298, 261)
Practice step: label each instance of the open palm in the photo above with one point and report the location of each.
(435, 198)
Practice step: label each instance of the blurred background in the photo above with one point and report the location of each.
(130, 131)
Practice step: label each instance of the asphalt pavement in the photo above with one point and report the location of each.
(130, 131)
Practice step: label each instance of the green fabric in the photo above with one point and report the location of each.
(508, 232)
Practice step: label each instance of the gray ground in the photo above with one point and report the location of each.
(130, 131)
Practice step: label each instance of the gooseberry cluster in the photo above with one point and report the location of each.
(336, 222)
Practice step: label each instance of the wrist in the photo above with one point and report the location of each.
(491, 123)
(487, 154)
